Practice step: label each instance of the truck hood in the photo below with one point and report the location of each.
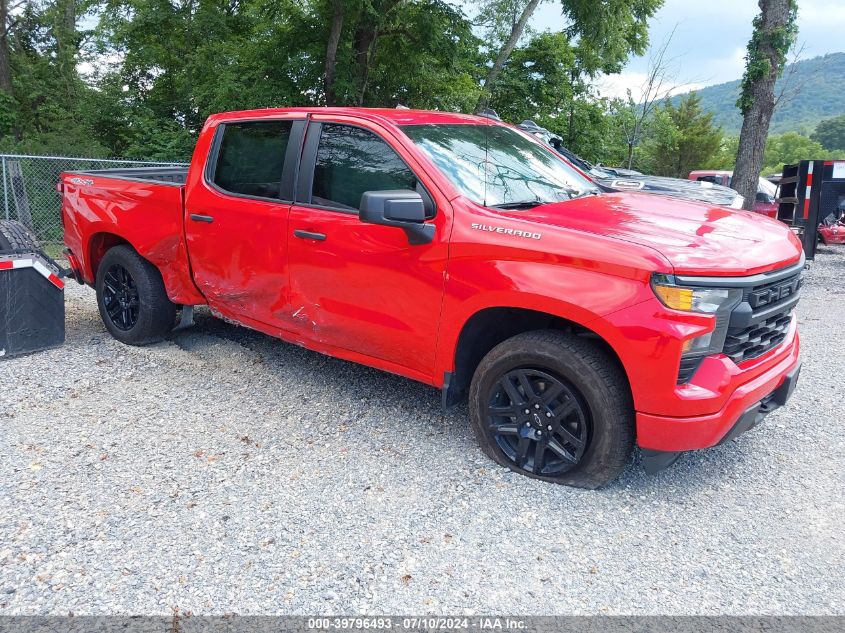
(695, 238)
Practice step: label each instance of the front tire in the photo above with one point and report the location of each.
(132, 300)
(555, 407)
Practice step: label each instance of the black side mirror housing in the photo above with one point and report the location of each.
(762, 196)
(401, 208)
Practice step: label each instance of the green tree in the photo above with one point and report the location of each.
(45, 112)
(682, 139)
(725, 157)
(830, 133)
(427, 57)
(5, 48)
(536, 82)
(613, 29)
(155, 69)
(549, 81)
(659, 145)
(790, 148)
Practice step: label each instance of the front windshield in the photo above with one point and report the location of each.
(494, 165)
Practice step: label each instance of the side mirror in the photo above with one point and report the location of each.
(401, 208)
(762, 196)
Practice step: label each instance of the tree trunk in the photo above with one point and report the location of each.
(504, 55)
(570, 132)
(363, 43)
(5, 53)
(331, 51)
(67, 43)
(630, 160)
(189, 48)
(774, 14)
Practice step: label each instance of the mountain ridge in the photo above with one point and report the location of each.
(818, 85)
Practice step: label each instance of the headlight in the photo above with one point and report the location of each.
(690, 299)
(718, 302)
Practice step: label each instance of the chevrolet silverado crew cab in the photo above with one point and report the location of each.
(462, 253)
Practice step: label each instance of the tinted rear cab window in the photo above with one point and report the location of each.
(251, 158)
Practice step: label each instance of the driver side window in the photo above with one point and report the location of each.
(350, 161)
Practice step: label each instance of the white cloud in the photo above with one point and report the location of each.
(709, 43)
(727, 67)
(618, 86)
(821, 13)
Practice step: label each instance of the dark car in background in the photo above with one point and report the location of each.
(618, 179)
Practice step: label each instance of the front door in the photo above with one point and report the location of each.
(237, 217)
(362, 287)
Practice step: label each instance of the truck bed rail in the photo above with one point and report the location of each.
(162, 175)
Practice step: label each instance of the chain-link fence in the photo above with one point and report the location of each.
(29, 189)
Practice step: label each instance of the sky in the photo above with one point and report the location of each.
(708, 46)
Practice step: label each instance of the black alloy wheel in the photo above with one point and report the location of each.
(538, 421)
(132, 299)
(120, 297)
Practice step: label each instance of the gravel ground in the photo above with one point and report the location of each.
(226, 472)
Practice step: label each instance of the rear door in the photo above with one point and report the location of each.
(362, 287)
(237, 217)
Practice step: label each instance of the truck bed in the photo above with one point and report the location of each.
(140, 206)
(160, 175)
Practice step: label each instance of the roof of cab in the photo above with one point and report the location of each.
(398, 116)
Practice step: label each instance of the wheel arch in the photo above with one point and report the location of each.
(489, 326)
(98, 245)
(172, 264)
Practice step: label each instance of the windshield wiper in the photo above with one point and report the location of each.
(519, 204)
(587, 192)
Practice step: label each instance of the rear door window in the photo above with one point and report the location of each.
(251, 158)
(350, 161)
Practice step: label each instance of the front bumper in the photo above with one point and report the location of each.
(654, 461)
(757, 397)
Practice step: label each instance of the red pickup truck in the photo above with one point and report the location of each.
(460, 252)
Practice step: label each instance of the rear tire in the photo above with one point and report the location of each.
(555, 407)
(15, 236)
(132, 300)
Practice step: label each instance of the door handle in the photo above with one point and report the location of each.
(196, 217)
(308, 235)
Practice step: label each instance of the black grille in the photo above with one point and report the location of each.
(768, 324)
(757, 339)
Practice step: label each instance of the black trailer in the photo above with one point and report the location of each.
(32, 303)
(810, 191)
